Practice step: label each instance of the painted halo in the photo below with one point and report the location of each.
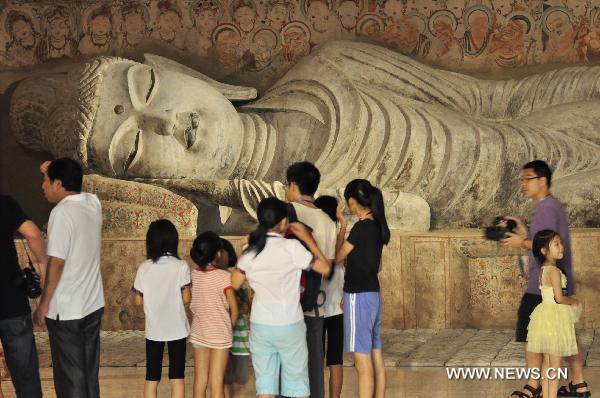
(59, 10)
(222, 28)
(594, 16)
(551, 11)
(420, 20)
(262, 28)
(304, 4)
(27, 13)
(234, 5)
(365, 19)
(206, 4)
(442, 14)
(87, 14)
(359, 3)
(295, 25)
(479, 7)
(525, 17)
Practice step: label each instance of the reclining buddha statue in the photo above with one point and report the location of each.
(439, 144)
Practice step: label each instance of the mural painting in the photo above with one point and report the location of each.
(268, 37)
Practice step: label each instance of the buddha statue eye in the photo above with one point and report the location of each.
(119, 109)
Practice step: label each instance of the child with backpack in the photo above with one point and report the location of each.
(333, 329)
(236, 373)
(303, 180)
(362, 299)
(162, 286)
(273, 266)
(215, 311)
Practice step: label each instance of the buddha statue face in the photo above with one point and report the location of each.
(125, 119)
(159, 123)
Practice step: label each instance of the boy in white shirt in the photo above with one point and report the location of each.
(302, 182)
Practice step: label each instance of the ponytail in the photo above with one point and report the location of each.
(378, 210)
(257, 241)
(270, 212)
(205, 249)
(371, 198)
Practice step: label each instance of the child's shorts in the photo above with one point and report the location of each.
(237, 369)
(280, 347)
(362, 322)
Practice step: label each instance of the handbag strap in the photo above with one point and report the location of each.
(30, 264)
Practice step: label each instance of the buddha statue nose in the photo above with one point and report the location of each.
(161, 123)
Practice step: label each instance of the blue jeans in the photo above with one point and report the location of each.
(21, 356)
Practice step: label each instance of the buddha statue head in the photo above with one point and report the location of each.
(125, 119)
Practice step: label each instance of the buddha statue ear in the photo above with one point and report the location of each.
(232, 93)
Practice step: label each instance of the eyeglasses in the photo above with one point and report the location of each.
(525, 179)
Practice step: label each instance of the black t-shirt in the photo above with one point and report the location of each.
(363, 261)
(13, 301)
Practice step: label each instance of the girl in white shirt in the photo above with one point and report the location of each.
(273, 266)
(162, 286)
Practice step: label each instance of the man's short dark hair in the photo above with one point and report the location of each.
(306, 176)
(541, 169)
(68, 171)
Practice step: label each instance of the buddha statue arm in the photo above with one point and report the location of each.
(338, 65)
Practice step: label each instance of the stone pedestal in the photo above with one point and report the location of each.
(449, 279)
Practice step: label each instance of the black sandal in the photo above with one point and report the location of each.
(571, 391)
(535, 392)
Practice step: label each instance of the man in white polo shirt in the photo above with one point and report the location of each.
(73, 300)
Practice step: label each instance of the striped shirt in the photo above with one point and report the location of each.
(241, 334)
(211, 323)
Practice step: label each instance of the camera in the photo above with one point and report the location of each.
(496, 232)
(29, 280)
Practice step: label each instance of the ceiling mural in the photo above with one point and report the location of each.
(257, 41)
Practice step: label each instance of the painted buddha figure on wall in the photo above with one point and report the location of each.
(434, 140)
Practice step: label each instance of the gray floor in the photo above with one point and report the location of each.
(416, 360)
(402, 348)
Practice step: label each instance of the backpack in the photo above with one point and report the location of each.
(311, 295)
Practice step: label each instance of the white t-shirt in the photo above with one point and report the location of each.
(160, 283)
(334, 291)
(75, 235)
(274, 275)
(324, 231)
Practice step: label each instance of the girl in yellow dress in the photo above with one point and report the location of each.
(551, 330)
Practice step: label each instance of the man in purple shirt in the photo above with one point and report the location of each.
(536, 179)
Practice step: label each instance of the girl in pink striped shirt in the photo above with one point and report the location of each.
(215, 311)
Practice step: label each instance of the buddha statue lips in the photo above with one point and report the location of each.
(452, 142)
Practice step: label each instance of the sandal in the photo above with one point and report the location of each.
(571, 391)
(535, 392)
